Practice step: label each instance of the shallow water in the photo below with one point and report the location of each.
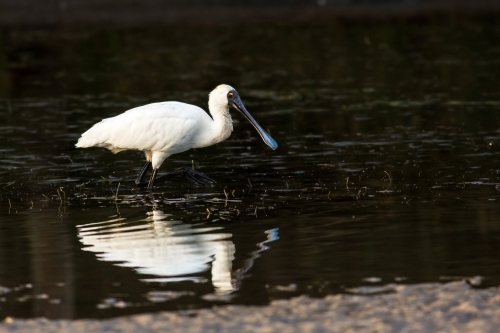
(387, 169)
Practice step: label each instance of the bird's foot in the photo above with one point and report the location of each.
(198, 177)
(190, 174)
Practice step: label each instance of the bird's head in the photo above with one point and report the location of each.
(224, 96)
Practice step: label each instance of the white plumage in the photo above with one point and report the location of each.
(166, 128)
(158, 129)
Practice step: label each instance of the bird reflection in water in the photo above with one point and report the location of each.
(170, 250)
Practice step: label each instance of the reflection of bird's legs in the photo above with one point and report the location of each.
(140, 177)
(190, 174)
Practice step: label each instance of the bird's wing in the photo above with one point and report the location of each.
(167, 126)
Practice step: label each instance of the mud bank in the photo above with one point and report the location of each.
(451, 307)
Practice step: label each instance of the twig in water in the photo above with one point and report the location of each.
(9, 184)
(232, 193)
(255, 213)
(249, 182)
(390, 181)
(61, 198)
(357, 197)
(208, 212)
(117, 189)
(82, 186)
(329, 195)
(347, 184)
(10, 206)
(225, 193)
(64, 193)
(106, 179)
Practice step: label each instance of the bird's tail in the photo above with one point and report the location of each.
(84, 143)
(93, 137)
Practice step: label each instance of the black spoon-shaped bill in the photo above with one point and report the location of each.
(238, 105)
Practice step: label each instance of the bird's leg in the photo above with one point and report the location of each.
(152, 180)
(190, 174)
(141, 175)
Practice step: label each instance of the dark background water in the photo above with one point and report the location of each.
(106, 13)
(387, 169)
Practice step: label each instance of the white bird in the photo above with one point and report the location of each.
(167, 128)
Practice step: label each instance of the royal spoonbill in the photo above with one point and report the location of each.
(166, 128)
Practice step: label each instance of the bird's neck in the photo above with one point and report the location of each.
(223, 124)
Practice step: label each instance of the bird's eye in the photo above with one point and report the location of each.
(230, 95)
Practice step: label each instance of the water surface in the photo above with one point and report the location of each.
(387, 169)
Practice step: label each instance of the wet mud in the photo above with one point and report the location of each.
(451, 307)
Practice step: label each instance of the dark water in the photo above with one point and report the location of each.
(387, 169)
